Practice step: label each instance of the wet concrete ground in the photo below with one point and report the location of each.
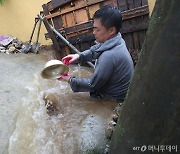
(16, 73)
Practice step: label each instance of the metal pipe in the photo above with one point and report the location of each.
(66, 41)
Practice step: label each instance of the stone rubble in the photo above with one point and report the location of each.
(112, 124)
(11, 45)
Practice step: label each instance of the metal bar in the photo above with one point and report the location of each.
(67, 42)
(53, 38)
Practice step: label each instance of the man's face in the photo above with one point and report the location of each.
(100, 32)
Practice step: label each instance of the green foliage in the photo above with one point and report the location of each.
(2, 1)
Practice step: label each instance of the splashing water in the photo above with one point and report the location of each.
(79, 126)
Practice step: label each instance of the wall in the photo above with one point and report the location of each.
(151, 5)
(17, 19)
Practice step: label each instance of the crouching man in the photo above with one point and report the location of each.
(114, 66)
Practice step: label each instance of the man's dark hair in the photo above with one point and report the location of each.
(110, 16)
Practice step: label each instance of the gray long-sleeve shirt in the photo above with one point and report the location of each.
(113, 71)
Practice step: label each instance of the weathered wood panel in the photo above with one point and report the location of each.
(136, 19)
(58, 3)
(73, 19)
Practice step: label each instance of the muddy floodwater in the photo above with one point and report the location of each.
(25, 126)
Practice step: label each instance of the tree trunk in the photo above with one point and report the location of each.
(151, 112)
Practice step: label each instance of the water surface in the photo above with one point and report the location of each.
(25, 127)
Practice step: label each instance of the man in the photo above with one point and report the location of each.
(114, 65)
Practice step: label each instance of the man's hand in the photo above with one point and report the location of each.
(64, 77)
(70, 59)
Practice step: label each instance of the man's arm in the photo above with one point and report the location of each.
(100, 77)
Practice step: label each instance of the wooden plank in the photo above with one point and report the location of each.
(54, 40)
(81, 40)
(78, 3)
(70, 19)
(70, 9)
(144, 2)
(81, 16)
(122, 5)
(78, 27)
(127, 23)
(137, 3)
(134, 28)
(76, 18)
(124, 30)
(93, 9)
(87, 9)
(57, 22)
(128, 40)
(144, 19)
(45, 9)
(46, 12)
(88, 25)
(111, 2)
(57, 3)
(132, 13)
(63, 17)
(49, 6)
(125, 14)
(130, 4)
(142, 34)
(90, 2)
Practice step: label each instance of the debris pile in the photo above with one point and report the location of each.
(11, 45)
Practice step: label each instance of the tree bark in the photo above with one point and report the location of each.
(151, 112)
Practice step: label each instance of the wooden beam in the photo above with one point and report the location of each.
(71, 9)
(78, 27)
(54, 39)
(49, 5)
(130, 29)
(81, 38)
(46, 12)
(132, 13)
(140, 11)
(134, 28)
(57, 3)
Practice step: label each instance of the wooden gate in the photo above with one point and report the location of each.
(135, 22)
(73, 19)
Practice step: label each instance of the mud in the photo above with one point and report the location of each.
(25, 126)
